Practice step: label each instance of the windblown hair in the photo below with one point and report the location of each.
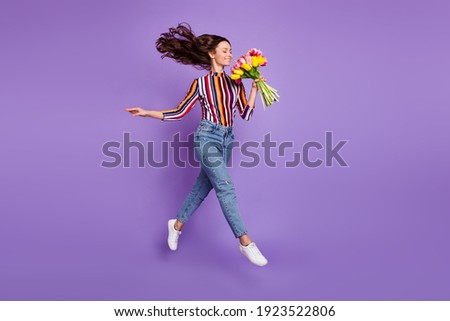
(184, 47)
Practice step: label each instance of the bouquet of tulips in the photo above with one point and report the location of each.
(247, 67)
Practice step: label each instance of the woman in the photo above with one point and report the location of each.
(219, 96)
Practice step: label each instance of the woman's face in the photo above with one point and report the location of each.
(223, 54)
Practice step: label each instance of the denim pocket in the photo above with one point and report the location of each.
(206, 128)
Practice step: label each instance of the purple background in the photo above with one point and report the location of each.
(375, 73)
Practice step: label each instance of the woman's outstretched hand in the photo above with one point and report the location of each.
(137, 111)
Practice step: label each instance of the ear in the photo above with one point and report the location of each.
(211, 54)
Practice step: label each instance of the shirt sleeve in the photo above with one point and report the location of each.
(185, 106)
(245, 110)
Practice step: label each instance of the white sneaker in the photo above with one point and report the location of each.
(172, 239)
(252, 253)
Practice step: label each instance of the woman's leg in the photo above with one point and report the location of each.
(196, 196)
(213, 156)
(244, 239)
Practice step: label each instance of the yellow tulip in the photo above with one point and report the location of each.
(246, 67)
(261, 60)
(235, 76)
(255, 61)
(238, 72)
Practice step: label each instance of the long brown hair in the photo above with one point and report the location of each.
(184, 47)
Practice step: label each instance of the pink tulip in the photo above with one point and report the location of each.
(255, 52)
(248, 58)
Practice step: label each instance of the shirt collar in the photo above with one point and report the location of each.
(217, 74)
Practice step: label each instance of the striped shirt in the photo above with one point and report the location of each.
(219, 96)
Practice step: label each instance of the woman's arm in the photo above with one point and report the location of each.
(170, 114)
(137, 111)
(253, 91)
(252, 97)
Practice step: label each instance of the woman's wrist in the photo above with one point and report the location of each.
(153, 113)
(156, 114)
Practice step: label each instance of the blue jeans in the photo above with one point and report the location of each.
(213, 146)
